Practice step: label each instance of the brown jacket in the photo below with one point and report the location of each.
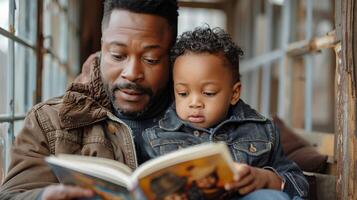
(80, 122)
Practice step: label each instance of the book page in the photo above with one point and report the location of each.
(97, 160)
(105, 190)
(106, 169)
(200, 171)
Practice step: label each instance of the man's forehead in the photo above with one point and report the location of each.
(124, 20)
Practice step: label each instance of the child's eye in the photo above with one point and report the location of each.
(209, 94)
(182, 94)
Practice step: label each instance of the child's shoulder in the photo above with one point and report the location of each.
(244, 112)
(153, 129)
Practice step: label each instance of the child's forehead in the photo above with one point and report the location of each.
(202, 68)
(219, 54)
(203, 55)
(207, 59)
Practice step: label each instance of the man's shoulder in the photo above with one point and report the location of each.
(46, 113)
(53, 103)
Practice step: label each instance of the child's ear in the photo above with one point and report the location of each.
(236, 93)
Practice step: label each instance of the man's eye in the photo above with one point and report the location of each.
(209, 94)
(151, 61)
(182, 94)
(118, 57)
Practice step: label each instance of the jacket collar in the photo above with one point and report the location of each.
(241, 112)
(85, 103)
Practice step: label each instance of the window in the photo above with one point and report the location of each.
(277, 78)
(25, 65)
(192, 17)
(17, 38)
(61, 39)
(200, 13)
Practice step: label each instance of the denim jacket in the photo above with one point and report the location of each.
(251, 138)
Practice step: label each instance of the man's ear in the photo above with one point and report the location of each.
(236, 93)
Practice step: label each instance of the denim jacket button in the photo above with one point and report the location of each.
(252, 148)
(196, 133)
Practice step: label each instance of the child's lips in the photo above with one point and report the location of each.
(196, 118)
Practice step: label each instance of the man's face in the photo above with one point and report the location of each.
(134, 60)
(204, 88)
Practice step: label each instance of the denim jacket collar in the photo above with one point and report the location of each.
(241, 112)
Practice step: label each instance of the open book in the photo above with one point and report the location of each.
(198, 171)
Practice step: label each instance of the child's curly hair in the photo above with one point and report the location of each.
(207, 40)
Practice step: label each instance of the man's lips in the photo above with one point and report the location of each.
(130, 94)
(196, 118)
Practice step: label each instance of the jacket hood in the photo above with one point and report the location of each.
(85, 103)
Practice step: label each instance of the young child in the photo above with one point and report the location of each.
(208, 108)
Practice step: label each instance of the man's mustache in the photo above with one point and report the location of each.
(132, 86)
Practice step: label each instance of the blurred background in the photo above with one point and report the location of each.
(43, 44)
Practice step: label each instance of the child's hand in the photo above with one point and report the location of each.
(250, 178)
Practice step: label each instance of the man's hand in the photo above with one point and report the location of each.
(250, 178)
(65, 192)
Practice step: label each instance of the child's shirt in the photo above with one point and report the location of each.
(251, 138)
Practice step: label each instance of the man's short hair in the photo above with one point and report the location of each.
(167, 9)
(207, 40)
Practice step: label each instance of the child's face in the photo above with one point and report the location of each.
(204, 88)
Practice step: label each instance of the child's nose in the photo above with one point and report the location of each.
(196, 103)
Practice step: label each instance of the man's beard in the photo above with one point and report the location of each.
(119, 111)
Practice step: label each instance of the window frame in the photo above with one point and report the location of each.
(11, 117)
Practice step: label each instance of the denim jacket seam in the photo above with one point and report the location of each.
(150, 135)
(174, 128)
(268, 149)
(296, 186)
(166, 143)
(283, 179)
(272, 132)
(251, 140)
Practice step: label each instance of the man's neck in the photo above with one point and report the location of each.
(148, 119)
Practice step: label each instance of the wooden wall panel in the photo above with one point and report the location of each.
(345, 80)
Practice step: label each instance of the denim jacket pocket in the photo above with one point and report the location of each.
(252, 152)
(169, 145)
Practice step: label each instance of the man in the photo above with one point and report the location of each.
(128, 82)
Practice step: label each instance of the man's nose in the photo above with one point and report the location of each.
(133, 71)
(196, 102)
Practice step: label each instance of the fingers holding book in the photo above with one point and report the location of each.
(61, 192)
(249, 179)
